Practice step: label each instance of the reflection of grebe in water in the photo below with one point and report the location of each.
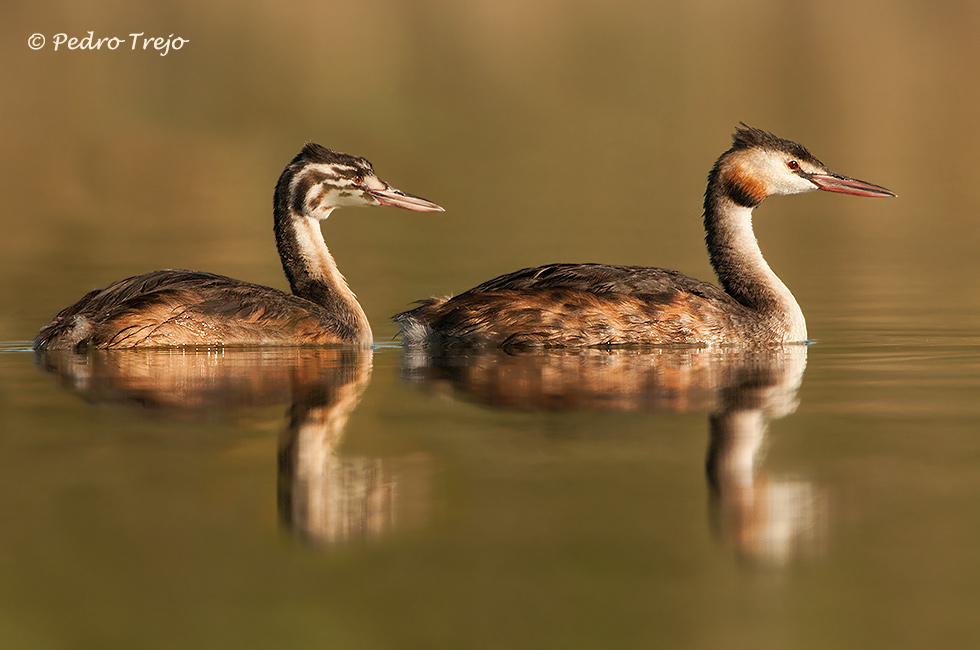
(328, 497)
(183, 308)
(768, 519)
(595, 304)
(325, 496)
(765, 518)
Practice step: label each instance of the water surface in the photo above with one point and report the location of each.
(811, 496)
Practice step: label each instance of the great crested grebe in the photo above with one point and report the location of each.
(182, 308)
(598, 304)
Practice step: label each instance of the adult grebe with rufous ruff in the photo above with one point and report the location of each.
(597, 304)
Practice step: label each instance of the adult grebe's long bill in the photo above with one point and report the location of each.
(597, 304)
(178, 308)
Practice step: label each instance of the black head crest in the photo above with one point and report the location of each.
(747, 137)
(316, 153)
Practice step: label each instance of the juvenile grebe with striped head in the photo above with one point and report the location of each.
(597, 304)
(183, 308)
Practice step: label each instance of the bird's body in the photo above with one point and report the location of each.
(582, 305)
(191, 308)
(596, 304)
(176, 307)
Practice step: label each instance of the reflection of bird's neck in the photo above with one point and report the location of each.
(736, 441)
(738, 261)
(309, 266)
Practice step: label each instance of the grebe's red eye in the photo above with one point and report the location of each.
(358, 180)
(793, 165)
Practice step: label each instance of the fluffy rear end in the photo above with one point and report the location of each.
(64, 333)
(415, 325)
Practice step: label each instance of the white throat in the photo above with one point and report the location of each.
(744, 272)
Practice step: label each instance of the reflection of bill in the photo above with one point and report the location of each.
(766, 519)
(324, 496)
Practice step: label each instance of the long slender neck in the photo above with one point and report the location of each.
(742, 271)
(313, 274)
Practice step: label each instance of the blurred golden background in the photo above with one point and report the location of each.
(550, 131)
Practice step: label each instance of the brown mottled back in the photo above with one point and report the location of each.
(582, 305)
(174, 307)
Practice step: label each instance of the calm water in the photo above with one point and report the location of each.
(823, 497)
(806, 497)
